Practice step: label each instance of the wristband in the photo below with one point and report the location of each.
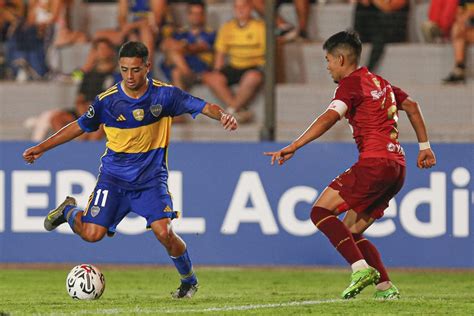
(424, 145)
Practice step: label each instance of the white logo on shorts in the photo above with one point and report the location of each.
(95, 211)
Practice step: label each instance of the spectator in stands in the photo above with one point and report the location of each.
(189, 51)
(462, 34)
(52, 18)
(441, 17)
(380, 22)
(11, 12)
(242, 40)
(284, 29)
(26, 48)
(139, 20)
(103, 76)
(63, 34)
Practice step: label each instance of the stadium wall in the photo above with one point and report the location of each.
(239, 210)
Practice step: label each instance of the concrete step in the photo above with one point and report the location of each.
(402, 64)
(448, 111)
(22, 100)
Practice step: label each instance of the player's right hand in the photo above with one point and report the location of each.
(282, 155)
(426, 159)
(31, 154)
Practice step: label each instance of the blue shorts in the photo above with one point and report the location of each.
(109, 204)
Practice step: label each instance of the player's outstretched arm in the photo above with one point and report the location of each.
(320, 126)
(426, 157)
(216, 112)
(65, 134)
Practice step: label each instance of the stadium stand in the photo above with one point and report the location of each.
(415, 66)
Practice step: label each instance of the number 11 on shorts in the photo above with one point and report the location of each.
(104, 197)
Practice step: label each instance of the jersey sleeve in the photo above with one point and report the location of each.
(183, 102)
(91, 120)
(400, 95)
(348, 92)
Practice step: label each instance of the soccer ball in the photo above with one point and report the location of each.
(85, 282)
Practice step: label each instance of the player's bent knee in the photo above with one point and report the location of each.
(92, 234)
(318, 214)
(94, 237)
(163, 236)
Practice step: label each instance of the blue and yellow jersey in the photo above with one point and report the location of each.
(138, 131)
(138, 9)
(207, 36)
(198, 63)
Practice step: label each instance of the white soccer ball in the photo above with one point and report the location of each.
(85, 282)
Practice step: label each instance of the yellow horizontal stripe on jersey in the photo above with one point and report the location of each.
(139, 139)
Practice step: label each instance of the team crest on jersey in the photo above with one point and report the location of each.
(90, 112)
(95, 211)
(376, 82)
(156, 109)
(138, 114)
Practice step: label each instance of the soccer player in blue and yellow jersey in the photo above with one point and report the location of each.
(136, 114)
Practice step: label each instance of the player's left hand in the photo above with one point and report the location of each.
(426, 159)
(282, 155)
(228, 121)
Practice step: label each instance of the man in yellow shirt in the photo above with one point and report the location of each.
(242, 41)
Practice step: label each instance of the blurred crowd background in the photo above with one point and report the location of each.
(57, 55)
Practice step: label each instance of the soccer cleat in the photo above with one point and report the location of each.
(56, 217)
(360, 280)
(455, 76)
(185, 290)
(77, 75)
(431, 32)
(287, 32)
(392, 293)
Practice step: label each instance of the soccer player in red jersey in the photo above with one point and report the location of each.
(370, 104)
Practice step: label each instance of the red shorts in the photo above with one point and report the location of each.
(370, 184)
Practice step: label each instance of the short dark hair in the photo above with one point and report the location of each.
(345, 40)
(134, 49)
(103, 40)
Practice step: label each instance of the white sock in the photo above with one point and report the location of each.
(359, 265)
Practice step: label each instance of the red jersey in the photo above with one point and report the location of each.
(372, 112)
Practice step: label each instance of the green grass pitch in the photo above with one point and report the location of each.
(235, 291)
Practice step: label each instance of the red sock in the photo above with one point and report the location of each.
(371, 255)
(337, 233)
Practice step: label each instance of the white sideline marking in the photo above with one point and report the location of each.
(254, 306)
(112, 311)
